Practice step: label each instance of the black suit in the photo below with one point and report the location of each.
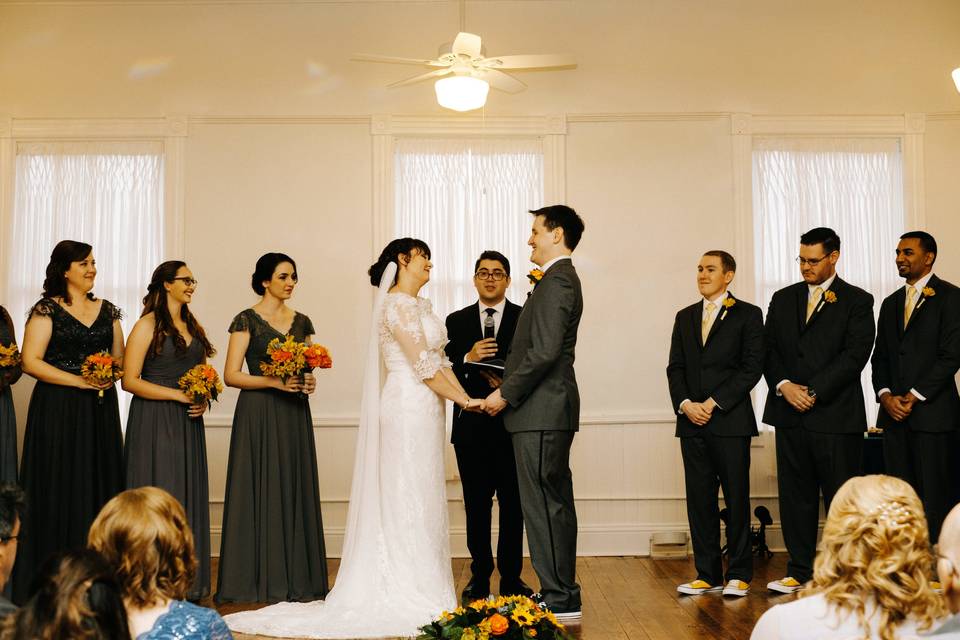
(485, 452)
(822, 448)
(726, 367)
(924, 356)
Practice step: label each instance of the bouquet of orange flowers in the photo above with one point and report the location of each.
(101, 368)
(286, 358)
(506, 618)
(317, 356)
(9, 356)
(201, 384)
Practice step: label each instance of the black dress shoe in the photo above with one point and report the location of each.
(515, 588)
(476, 589)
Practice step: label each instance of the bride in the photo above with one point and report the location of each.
(395, 572)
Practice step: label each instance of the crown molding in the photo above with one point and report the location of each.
(85, 128)
(279, 120)
(942, 116)
(647, 117)
(400, 125)
(832, 125)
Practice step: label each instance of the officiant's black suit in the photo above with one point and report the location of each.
(822, 448)
(485, 453)
(924, 356)
(726, 367)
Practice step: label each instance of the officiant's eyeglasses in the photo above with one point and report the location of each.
(483, 274)
(190, 282)
(811, 261)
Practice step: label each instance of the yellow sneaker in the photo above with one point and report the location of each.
(736, 588)
(784, 585)
(697, 587)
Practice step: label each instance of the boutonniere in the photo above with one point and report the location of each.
(829, 296)
(535, 276)
(729, 302)
(928, 292)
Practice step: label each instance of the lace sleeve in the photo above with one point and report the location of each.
(403, 321)
(113, 310)
(240, 323)
(308, 329)
(218, 629)
(44, 307)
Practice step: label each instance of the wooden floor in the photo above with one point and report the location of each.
(636, 599)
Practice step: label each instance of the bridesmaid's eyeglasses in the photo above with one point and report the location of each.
(190, 282)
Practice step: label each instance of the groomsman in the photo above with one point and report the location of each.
(479, 332)
(716, 358)
(540, 388)
(916, 357)
(818, 337)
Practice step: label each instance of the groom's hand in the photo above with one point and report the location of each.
(482, 349)
(492, 379)
(495, 403)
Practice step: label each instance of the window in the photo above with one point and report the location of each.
(852, 185)
(109, 195)
(463, 197)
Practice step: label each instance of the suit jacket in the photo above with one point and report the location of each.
(924, 356)
(827, 353)
(539, 383)
(725, 368)
(464, 329)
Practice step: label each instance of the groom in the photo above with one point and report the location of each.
(540, 394)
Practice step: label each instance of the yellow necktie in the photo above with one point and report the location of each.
(705, 325)
(908, 311)
(814, 300)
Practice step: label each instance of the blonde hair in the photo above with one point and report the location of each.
(875, 543)
(144, 534)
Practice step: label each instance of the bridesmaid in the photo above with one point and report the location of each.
(272, 546)
(72, 446)
(8, 419)
(166, 445)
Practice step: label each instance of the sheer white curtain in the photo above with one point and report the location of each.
(852, 185)
(107, 194)
(463, 197)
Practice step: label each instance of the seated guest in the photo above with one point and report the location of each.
(11, 511)
(948, 568)
(75, 597)
(143, 533)
(870, 577)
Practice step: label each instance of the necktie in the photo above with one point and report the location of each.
(814, 300)
(908, 311)
(705, 325)
(488, 325)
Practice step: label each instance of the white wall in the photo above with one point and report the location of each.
(650, 163)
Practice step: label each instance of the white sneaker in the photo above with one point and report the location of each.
(697, 587)
(736, 588)
(785, 585)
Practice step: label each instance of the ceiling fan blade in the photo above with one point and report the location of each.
(502, 81)
(422, 76)
(373, 57)
(529, 61)
(468, 44)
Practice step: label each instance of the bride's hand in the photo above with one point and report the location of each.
(475, 405)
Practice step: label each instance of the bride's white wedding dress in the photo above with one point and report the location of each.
(395, 575)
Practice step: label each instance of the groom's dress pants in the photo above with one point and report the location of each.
(549, 514)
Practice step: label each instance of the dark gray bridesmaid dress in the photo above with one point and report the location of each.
(166, 448)
(8, 418)
(272, 546)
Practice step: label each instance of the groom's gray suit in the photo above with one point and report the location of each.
(540, 388)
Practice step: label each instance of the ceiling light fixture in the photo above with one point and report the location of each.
(461, 93)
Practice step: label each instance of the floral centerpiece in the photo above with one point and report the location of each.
(99, 369)
(9, 356)
(506, 618)
(201, 384)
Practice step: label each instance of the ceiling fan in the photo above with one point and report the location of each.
(470, 71)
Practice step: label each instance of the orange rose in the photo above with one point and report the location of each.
(280, 356)
(498, 624)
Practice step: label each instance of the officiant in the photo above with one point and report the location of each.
(480, 335)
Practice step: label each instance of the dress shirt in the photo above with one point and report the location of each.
(718, 301)
(554, 261)
(918, 287)
(811, 291)
(497, 317)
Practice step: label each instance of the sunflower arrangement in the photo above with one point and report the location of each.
(505, 618)
(201, 384)
(9, 356)
(101, 368)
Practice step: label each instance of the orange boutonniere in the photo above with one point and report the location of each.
(829, 296)
(929, 292)
(535, 276)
